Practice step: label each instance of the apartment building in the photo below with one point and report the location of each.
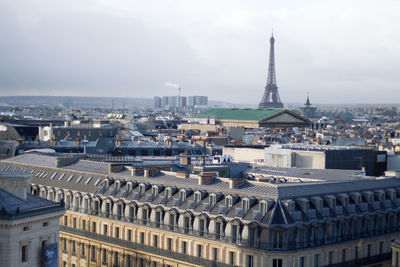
(116, 217)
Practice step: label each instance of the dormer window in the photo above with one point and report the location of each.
(182, 195)
(213, 200)
(197, 198)
(245, 205)
(154, 191)
(263, 208)
(141, 189)
(168, 193)
(228, 202)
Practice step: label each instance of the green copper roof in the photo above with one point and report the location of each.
(239, 114)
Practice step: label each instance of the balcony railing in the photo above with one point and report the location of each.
(143, 248)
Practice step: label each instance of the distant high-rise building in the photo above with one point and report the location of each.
(190, 101)
(271, 97)
(157, 102)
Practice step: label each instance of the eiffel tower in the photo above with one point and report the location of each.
(271, 97)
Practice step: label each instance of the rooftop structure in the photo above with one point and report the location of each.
(183, 216)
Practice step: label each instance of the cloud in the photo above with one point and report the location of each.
(219, 49)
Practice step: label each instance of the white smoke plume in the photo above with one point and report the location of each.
(173, 85)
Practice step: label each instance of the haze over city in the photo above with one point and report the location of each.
(340, 52)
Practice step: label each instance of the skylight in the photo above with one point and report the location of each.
(79, 179)
(70, 177)
(88, 180)
(61, 176)
(54, 175)
(97, 182)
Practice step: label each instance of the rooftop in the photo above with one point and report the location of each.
(239, 114)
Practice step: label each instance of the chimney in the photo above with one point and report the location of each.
(206, 177)
(235, 183)
(118, 142)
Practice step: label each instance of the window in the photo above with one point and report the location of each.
(83, 224)
(217, 230)
(142, 237)
(228, 202)
(234, 233)
(45, 224)
(157, 218)
(129, 235)
(116, 259)
(104, 261)
(201, 227)
(356, 252)
(24, 253)
(73, 249)
(250, 261)
(369, 250)
(64, 244)
(197, 198)
(155, 240)
(44, 243)
(93, 256)
(169, 243)
(108, 207)
(182, 195)
(277, 239)
(316, 260)
(215, 254)
(277, 263)
(54, 175)
(116, 232)
(61, 176)
(105, 229)
(330, 257)
(199, 250)
(184, 247)
(119, 212)
(26, 228)
(168, 193)
(381, 247)
(263, 208)
(65, 220)
(74, 222)
(213, 200)
(302, 261)
(232, 258)
(245, 205)
(94, 227)
(186, 224)
(344, 255)
(83, 250)
(128, 261)
(171, 221)
(154, 191)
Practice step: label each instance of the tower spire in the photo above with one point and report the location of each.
(271, 97)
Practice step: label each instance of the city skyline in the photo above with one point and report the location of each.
(338, 52)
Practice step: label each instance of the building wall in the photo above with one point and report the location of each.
(244, 154)
(30, 231)
(310, 159)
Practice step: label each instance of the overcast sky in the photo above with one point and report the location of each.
(339, 51)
